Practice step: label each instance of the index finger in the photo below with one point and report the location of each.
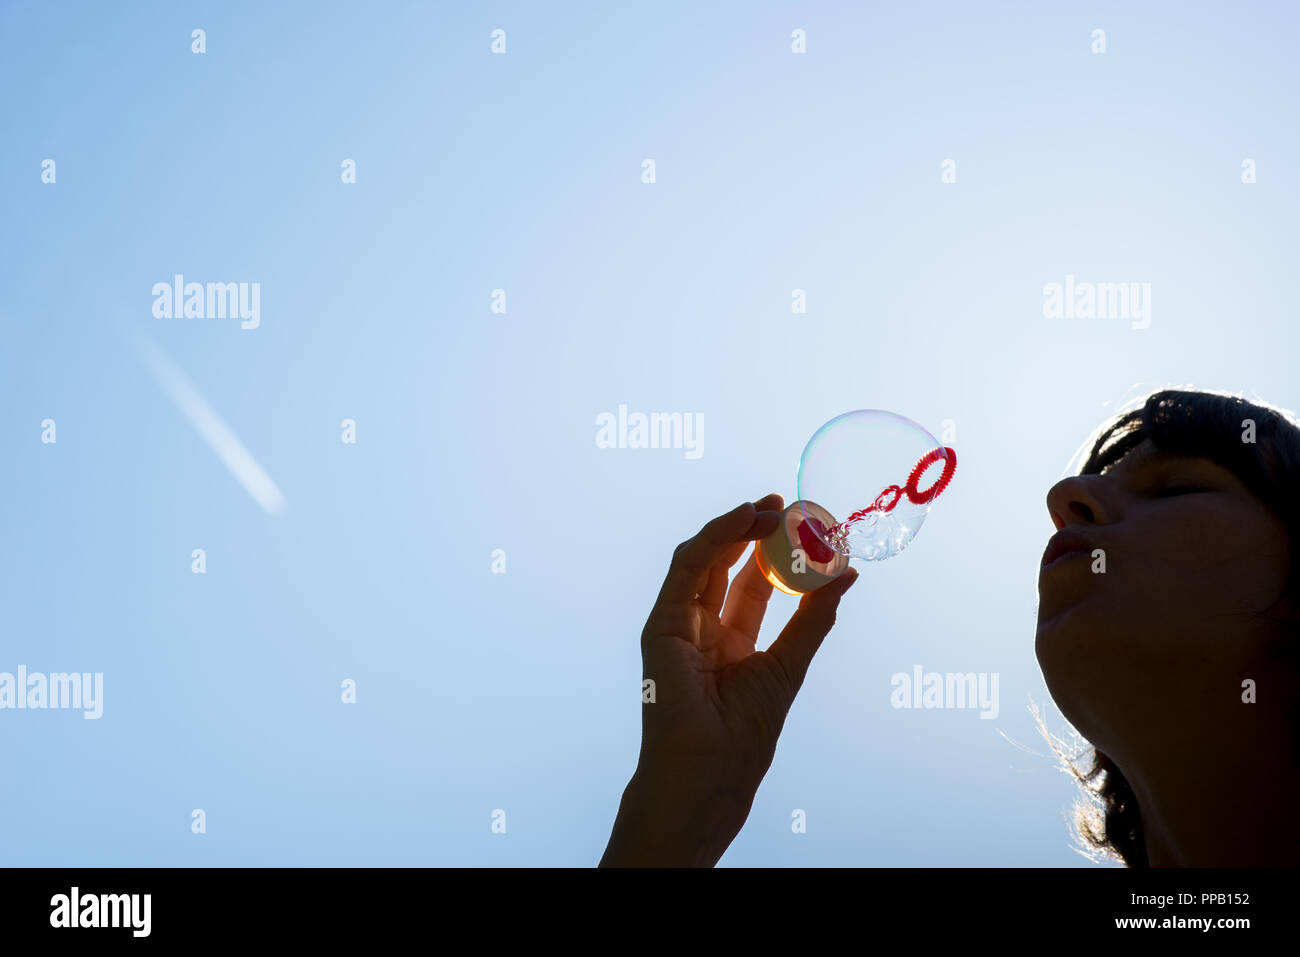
(689, 570)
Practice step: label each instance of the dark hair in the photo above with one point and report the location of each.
(1261, 446)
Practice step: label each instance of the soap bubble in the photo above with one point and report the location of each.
(877, 474)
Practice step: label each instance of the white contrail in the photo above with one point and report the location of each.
(215, 432)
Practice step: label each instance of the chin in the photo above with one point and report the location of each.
(1080, 666)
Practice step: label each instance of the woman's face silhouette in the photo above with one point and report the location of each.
(1162, 598)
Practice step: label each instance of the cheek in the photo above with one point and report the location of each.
(1217, 560)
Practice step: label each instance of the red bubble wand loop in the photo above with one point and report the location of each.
(887, 499)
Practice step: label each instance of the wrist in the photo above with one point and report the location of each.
(674, 817)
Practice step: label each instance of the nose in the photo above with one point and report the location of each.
(1079, 500)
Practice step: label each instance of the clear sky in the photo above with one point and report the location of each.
(476, 430)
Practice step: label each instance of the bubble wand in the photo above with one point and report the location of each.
(809, 548)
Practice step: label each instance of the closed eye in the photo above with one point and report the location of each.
(1172, 490)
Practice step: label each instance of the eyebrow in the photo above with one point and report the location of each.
(1141, 457)
(1138, 457)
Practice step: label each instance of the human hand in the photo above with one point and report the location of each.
(711, 733)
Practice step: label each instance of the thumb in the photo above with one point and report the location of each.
(802, 636)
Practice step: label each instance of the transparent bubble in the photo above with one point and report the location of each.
(877, 474)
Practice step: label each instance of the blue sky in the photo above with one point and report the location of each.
(475, 430)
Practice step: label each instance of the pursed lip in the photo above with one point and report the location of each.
(1063, 543)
